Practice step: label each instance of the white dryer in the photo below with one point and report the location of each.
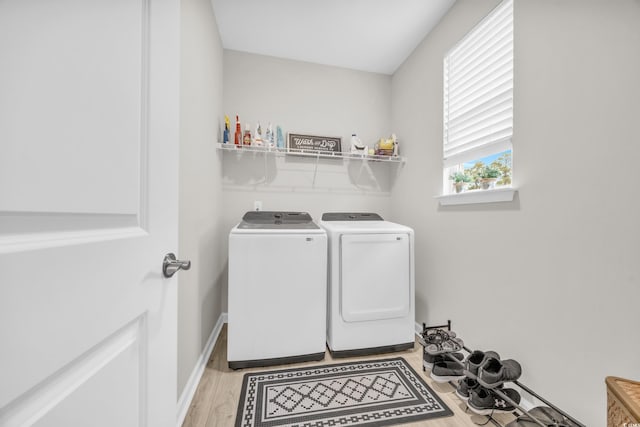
(277, 290)
(371, 285)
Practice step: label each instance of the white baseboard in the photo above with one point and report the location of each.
(194, 379)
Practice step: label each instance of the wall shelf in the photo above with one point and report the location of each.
(312, 154)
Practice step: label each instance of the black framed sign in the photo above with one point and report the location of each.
(298, 142)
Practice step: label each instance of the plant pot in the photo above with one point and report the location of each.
(460, 186)
(488, 183)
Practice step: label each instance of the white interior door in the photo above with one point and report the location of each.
(88, 209)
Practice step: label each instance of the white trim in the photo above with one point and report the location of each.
(194, 379)
(478, 196)
(418, 329)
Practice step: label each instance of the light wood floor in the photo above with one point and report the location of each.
(216, 399)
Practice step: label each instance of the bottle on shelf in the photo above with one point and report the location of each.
(227, 125)
(258, 136)
(280, 138)
(269, 137)
(395, 144)
(238, 135)
(246, 139)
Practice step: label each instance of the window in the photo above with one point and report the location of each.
(478, 105)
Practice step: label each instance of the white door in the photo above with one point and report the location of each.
(88, 209)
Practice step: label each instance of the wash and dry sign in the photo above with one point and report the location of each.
(297, 142)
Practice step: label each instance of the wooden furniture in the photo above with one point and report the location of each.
(623, 401)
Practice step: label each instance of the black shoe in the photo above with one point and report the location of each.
(429, 359)
(476, 359)
(487, 402)
(446, 371)
(464, 388)
(494, 372)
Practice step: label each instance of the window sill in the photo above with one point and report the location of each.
(478, 196)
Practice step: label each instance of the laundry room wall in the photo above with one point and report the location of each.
(309, 99)
(200, 299)
(551, 279)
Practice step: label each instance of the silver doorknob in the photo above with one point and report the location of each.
(170, 265)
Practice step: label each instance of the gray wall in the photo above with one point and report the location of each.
(552, 279)
(199, 292)
(310, 99)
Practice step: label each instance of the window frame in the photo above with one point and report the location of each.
(478, 96)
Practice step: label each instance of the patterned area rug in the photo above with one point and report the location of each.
(369, 393)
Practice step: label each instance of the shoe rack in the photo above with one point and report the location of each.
(519, 411)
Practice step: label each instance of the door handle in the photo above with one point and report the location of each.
(170, 265)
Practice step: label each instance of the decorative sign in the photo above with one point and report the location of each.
(325, 144)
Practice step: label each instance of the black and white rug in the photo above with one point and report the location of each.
(368, 393)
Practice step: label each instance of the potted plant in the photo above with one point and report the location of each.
(488, 177)
(460, 181)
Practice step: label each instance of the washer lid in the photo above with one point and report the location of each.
(351, 216)
(277, 220)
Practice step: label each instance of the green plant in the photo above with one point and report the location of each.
(490, 172)
(460, 177)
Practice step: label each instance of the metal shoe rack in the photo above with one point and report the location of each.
(503, 395)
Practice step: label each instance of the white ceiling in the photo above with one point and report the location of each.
(367, 35)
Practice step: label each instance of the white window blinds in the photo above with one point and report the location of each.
(478, 90)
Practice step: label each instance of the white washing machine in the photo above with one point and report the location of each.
(371, 285)
(277, 290)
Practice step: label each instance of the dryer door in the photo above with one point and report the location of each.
(375, 280)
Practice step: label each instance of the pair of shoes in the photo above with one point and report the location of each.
(486, 370)
(443, 372)
(476, 359)
(464, 388)
(471, 367)
(487, 402)
(489, 370)
(466, 385)
(493, 372)
(435, 336)
(438, 341)
(449, 368)
(428, 359)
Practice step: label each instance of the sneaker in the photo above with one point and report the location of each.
(487, 402)
(463, 391)
(494, 372)
(443, 372)
(429, 359)
(465, 387)
(476, 359)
